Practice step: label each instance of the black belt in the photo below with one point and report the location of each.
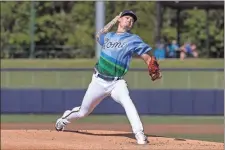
(107, 78)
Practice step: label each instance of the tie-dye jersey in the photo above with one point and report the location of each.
(117, 51)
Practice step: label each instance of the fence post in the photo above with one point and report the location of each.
(58, 78)
(162, 82)
(135, 79)
(189, 80)
(32, 79)
(215, 80)
(83, 81)
(7, 79)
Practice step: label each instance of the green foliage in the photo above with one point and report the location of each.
(193, 29)
(196, 29)
(14, 23)
(72, 23)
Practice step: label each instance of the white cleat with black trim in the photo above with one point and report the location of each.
(141, 138)
(62, 122)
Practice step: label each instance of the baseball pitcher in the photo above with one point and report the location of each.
(107, 80)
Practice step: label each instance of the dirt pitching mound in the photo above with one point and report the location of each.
(93, 139)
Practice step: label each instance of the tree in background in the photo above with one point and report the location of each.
(70, 26)
(193, 29)
(14, 25)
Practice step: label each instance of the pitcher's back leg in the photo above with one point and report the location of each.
(93, 96)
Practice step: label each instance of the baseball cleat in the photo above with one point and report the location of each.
(60, 124)
(141, 138)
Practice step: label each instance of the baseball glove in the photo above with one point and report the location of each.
(153, 68)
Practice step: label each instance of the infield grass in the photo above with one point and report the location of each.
(32, 118)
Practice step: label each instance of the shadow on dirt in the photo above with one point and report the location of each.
(128, 135)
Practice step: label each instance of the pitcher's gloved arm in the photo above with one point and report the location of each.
(153, 66)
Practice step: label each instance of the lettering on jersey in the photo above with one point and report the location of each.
(113, 44)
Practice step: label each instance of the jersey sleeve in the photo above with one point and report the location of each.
(101, 39)
(139, 47)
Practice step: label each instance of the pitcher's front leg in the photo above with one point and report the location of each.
(93, 96)
(120, 94)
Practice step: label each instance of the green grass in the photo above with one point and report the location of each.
(202, 137)
(7, 118)
(89, 63)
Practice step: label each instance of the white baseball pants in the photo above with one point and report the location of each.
(97, 90)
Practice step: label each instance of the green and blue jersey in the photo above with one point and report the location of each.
(117, 51)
